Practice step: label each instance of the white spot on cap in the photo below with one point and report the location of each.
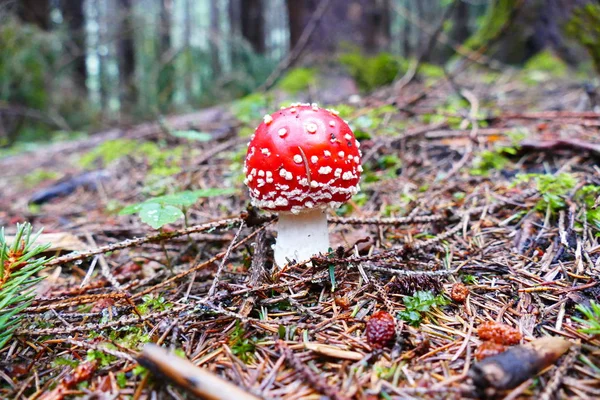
(327, 153)
(261, 172)
(280, 201)
(250, 177)
(311, 127)
(309, 204)
(338, 172)
(315, 107)
(314, 159)
(347, 176)
(298, 159)
(347, 136)
(360, 168)
(341, 154)
(350, 157)
(267, 119)
(253, 172)
(356, 159)
(245, 170)
(261, 182)
(325, 170)
(266, 152)
(293, 109)
(332, 123)
(282, 132)
(357, 144)
(314, 184)
(288, 176)
(282, 172)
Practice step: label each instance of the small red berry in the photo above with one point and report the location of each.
(380, 329)
(499, 333)
(459, 292)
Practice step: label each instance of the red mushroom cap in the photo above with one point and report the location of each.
(302, 157)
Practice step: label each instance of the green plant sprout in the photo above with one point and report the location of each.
(592, 321)
(19, 264)
(553, 188)
(162, 210)
(421, 302)
(240, 345)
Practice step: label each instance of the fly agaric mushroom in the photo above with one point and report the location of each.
(301, 160)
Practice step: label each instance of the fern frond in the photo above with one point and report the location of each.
(19, 265)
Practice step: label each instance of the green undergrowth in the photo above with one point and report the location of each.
(371, 72)
(242, 345)
(250, 110)
(543, 67)
(298, 80)
(553, 189)
(419, 304)
(584, 28)
(162, 160)
(497, 159)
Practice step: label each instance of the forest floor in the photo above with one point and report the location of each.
(476, 228)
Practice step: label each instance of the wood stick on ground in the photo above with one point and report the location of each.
(195, 380)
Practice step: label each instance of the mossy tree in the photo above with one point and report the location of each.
(515, 30)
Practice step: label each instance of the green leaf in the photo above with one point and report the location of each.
(181, 199)
(193, 135)
(158, 215)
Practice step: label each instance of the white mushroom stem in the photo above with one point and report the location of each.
(301, 236)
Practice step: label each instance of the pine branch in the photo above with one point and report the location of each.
(19, 266)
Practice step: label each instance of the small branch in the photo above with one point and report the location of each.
(76, 256)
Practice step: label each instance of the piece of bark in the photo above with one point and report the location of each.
(183, 373)
(509, 369)
(88, 180)
(560, 144)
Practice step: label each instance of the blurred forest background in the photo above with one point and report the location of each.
(71, 67)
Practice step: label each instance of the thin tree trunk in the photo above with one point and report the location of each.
(187, 35)
(215, 32)
(295, 12)
(126, 57)
(377, 27)
(73, 14)
(253, 23)
(166, 73)
(460, 27)
(406, 43)
(35, 12)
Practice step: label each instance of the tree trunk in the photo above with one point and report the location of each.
(35, 12)
(377, 30)
(126, 57)
(214, 36)
(295, 12)
(361, 22)
(253, 24)
(167, 68)
(406, 44)
(74, 17)
(460, 24)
